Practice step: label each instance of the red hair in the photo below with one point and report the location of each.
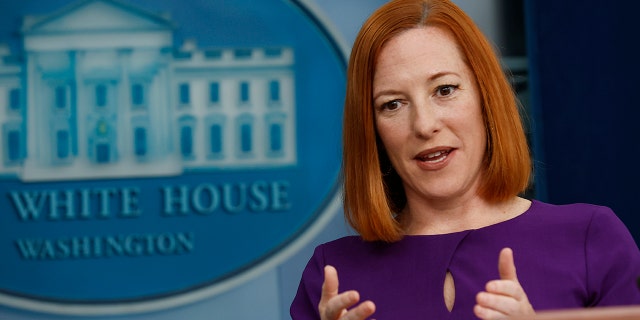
(372, 196)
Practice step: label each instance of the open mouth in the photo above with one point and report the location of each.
(434, 157)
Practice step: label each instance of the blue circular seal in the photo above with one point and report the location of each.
(158, 152)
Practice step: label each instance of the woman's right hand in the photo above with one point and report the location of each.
(334, 306)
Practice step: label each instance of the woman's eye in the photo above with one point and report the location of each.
(391, 105)
(446, 90)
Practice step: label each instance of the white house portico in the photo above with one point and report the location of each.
(102, 92)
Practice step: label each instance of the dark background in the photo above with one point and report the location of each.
(584, 82)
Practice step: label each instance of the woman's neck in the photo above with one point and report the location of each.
(428, 218)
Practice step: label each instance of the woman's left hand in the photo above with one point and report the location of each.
(505, 297)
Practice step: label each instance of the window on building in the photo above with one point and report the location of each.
(272, 52)
(60, 97)
(186, 141)
(14, 146)
(62, 144)
(14, 99)
(184, 92)
(12, 143)
(137, 95)
(102, 153)
(245, 138)
(244, 92)
(101, 95)
(214, 92)
(215, 136)
(242, 53)
(274, 91)
(140, 141)
(213, 54)
(275, 138)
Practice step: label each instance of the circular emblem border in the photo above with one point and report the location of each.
(323, 215)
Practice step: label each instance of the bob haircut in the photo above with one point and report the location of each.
(373, 192)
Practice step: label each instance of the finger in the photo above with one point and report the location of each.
(506, 288)
(506, 266)
(499, 303)
(337, 306)
(486, 313)
(506, 305)
(361, 312)
(332, 305)
(330, 284)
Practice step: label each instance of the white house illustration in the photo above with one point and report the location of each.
(101, 92)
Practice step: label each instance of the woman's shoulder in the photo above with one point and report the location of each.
(577, 207)
(346, 243)
(356, 249)
(574, 219)
(571, 212)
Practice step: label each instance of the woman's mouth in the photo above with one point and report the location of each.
(433, 157)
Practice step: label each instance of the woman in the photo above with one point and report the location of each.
(434, 160)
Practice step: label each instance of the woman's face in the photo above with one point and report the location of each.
(428, 115)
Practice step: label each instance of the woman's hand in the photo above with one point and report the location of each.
(333, 306)
(504, 297)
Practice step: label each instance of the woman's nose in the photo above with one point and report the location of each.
(426, 120)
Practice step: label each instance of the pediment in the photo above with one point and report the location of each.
(96, 16)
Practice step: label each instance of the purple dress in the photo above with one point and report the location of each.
(567, 256)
